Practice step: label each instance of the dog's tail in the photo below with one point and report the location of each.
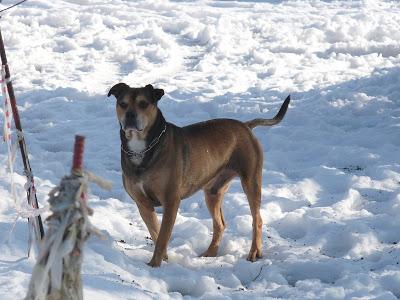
(269, 122)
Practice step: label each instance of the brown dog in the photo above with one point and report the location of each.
(163, 163)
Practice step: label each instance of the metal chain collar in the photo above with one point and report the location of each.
(141, 154)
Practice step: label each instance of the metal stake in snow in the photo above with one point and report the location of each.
(31, 191)
(57, 274)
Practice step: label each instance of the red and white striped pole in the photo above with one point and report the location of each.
(31, 191)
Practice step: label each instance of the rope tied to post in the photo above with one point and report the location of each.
(56, 274)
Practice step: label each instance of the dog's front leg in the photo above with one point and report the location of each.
(150, 219)
(167, 223)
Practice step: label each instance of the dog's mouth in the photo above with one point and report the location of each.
(130, 131)
(133, 129)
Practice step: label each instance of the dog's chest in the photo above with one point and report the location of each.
(140, 188)
(147, 193)
(137, 146)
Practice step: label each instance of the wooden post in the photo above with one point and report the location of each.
(57, 273)
(31, 193)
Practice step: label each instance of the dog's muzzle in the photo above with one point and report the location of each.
(130, 121)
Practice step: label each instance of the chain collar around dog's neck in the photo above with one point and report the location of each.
(141, 154)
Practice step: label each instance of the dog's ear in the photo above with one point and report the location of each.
(118, 90)
(155, 93)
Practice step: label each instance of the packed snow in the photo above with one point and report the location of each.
(331, 178)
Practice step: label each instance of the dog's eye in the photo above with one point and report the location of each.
(123, 105)
(143, 104)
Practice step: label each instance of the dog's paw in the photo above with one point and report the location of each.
(254, 254)
(154, 263)
(165, 257)
(210, 252)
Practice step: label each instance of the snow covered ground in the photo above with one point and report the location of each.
(331, 181)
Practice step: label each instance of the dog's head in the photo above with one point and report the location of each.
(136, 107)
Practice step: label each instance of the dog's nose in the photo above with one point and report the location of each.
(130, 114)
(130, 119)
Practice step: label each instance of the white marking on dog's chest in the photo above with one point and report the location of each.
(140, 185)
(137, 146)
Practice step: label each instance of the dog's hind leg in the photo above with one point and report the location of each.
(252, 188)
(214, 194)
